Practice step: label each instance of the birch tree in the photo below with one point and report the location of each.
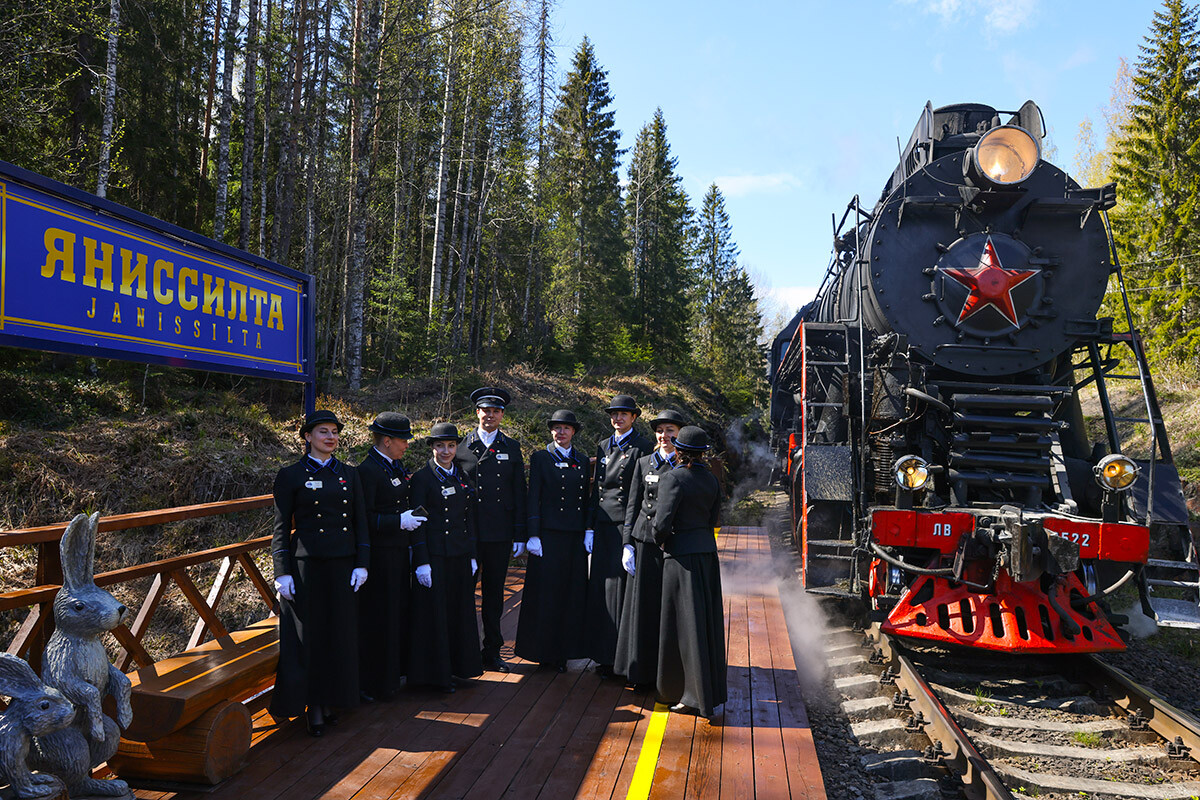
(110, 97)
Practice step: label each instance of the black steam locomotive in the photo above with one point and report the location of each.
(926, 406)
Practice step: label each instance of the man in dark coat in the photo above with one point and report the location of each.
(444, 641)
(616, 456)
(691, 650)
(384, 601)
(494, 464)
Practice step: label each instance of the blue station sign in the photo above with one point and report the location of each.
(82, 275)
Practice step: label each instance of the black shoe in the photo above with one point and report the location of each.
(495, 664)
(331, 719)
(365, 698)
(314, 727)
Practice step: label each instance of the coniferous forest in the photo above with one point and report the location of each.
(461, 198)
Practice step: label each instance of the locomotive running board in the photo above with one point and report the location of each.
(1017, 618)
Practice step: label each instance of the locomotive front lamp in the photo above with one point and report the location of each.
(1005, 156)
(911, 472)
(1116, 472)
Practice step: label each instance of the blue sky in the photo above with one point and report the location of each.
(794, 107)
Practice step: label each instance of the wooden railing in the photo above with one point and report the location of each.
(33, 632)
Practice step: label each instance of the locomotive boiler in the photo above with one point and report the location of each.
(927, 415)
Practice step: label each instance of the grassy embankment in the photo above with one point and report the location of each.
(122, 438)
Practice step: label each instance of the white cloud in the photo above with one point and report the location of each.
(1000, 16)
(789, 298)
(742, 185)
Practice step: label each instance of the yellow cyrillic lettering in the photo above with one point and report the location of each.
(188, 302)
(164, 296)
(91, 264)
(131, 274)
(275, 318)
(60, 249)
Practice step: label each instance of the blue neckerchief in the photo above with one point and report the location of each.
(314, 466)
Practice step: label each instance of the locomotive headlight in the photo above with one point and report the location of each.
(1006, 155)
(1116, 472)
(911, 472)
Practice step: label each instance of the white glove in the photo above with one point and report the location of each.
(286, 587)
(474, 566)
(425, 575)
(409, 522)
(627, 559)
(357, 578)
(534, 545)
(518, 549)
(588, 536)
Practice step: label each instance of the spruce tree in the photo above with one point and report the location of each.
(657, 217)
(587, 286)
(1159, 182)
(715, 261)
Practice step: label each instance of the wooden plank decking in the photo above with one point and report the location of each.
(538, 734)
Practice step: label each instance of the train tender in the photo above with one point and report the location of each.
(926, 406)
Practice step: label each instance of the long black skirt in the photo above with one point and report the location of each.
(606, 593)
(637, 642)
(444, 636)
(383, 620)
(318, 639)
(550, 627)
(691, 646)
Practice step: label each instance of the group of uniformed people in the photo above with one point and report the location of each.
(376, 568)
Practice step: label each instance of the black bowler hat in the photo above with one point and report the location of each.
(667, 415)
(389, 423)
(316, 418)
(443, 431)
(563, 417)
(623, 402)
(691, 438)
(491, 397)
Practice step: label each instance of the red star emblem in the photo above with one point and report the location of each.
(990, 285)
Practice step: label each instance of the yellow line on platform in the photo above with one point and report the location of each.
(643, 774)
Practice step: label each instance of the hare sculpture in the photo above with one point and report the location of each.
(76, 664)
(34, 709)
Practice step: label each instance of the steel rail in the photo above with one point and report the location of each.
(1164, 719)
(980, 781)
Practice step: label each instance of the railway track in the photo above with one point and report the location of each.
(986, 727)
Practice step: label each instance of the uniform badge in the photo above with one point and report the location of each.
(502, 456)
(561, 464)
(651, 479)
(447, 491)
(395, 481)
(313, 484)
(603, 461)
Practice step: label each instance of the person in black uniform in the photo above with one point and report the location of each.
(494, 464)
(549, 630)
(616, 456)
(642, 558)
(444, 643)
(383, 603)
(320, 548)
(691, 636)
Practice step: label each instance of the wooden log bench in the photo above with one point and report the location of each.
(189, 723)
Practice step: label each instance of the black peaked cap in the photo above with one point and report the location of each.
(491, 397)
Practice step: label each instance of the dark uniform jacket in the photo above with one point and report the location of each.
(319, 513)
(643, 497)
(386, 493)
(689, 508)
(614, 472)
(452, 505)
(499, 474)
(558, 491)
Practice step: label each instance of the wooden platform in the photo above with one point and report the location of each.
(538, 734)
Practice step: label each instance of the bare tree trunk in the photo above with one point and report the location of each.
(268, 108)
(250, 105)
(212, 87)
(316, 147)
(290, 142)
(110, 97)
(439, 225)
(223, 124)
(533, 264)
(462, 214)
(363, 168)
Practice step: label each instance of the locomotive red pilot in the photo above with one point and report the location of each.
(926, 406)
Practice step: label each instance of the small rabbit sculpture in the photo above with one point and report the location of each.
(34, 710)
(76, 664)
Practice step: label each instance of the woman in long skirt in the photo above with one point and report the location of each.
(550, 628)
(444, 647)
(320, 550)
(691, 644)
(642, 558)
